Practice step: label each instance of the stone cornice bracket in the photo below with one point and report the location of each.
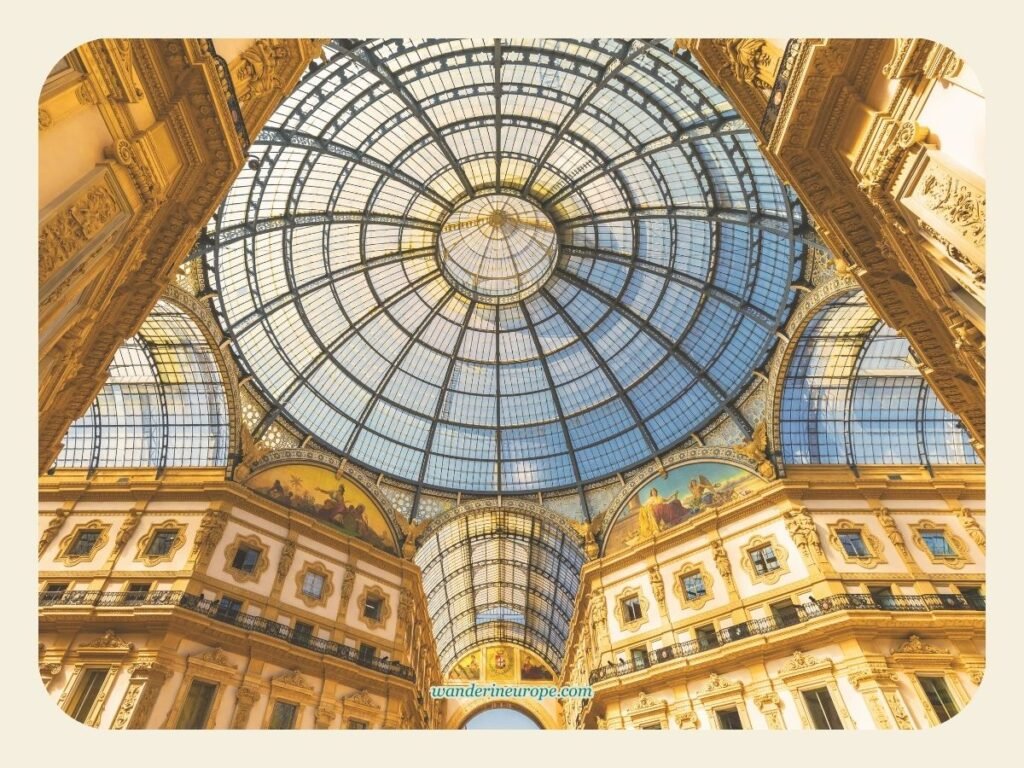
(917, 57)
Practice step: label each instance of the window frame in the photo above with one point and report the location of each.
(319, 569)
(960, 553)
(251, 542)
(631, 624)
(143, 550)
(75, 690)
(275, 704)
(779, 553)
(874, 551)
(679, 586)
(811, 712)
(68, 558)
(370, 592)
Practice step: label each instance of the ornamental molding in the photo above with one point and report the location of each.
(876, 553)
(962, 554)
(360, 698)
(250, 541)
(645, 703)
(214, 656)
(781, 556)
(141, 554)
(292, 678)
(720, 686)
(800, 663)
(109, 641)
(679, 588)
(631, 625)
(687, 720)
(368, 593)
(65, 545)
(319, 568)
(916, 646)
(79, 225)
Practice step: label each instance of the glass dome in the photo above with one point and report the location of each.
(502, 266)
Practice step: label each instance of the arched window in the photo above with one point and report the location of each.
(163, 404)
(852, 395)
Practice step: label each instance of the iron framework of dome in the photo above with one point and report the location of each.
(334, 280)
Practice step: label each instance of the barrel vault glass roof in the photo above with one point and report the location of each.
(500, 575)
(675, 258)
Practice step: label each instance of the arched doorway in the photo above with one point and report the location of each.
(502, 717)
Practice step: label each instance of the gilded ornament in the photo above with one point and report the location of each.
(756, 450)
(284, 563)
(914, 644)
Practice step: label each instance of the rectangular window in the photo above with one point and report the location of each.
(313, 585)
(371, 609)
(651, 727)
(939, 697)
(228, 607)
(729, 719)
(764, 559)
(195, 710)
(366, 652)
(973, 597)
(357, 725)
(302, 632)
(54, 589)
(162, 541)
(283, 716)
(631, 610)
(882, 596)
(785, 613)
(246, 559)
(137, 591)
(693, 586)
(706, 637)
(83, 543)
(89, 686)
(822, 710)
(853, 544)
(639, 656)
(937, 544)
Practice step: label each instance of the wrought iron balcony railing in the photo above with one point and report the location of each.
(799, 615)
(219, 611)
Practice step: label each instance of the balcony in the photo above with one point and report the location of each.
(803, 613)
(214, 609)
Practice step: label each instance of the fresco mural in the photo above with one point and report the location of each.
(685, 492)
(468, 668)
(318, 492)
(504, 663)
(531, 668)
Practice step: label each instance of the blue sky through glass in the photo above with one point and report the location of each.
(501, 720)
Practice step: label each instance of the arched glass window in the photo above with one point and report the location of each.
(163, 404)
(852, 395)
